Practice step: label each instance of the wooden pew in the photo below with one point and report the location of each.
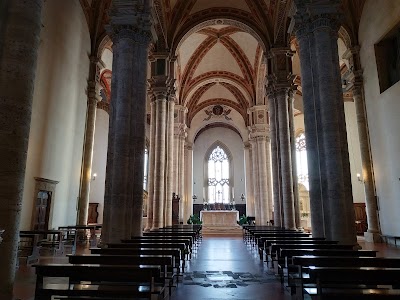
(284, 256)
(158, 239)
(52, 239)
(298, 272)
(29, 247)
(291, 241)
(176, 253)
(167, 263)
(335, 280)
(131, 281)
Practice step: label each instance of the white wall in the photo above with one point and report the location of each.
(99, 163)
(383, 111)
(58, 110)
(235, 145)
(353, 141)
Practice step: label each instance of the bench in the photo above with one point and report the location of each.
(391, 237)
(99, 281)
(298, 272)
(292, 241)
(51, 239)
(159, 239)
(28, 247)
(285, 255)
(176, 253)
(354, 278)
(167, 263)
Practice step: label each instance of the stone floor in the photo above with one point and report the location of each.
(223, 268)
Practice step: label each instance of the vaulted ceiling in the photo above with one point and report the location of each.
(219, 45)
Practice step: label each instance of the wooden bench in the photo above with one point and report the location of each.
(99, 281)
(292, 241)
(167, 263)
(298, 272)
(50, 239)
(285, 255)
(176, 253)
(334, 279)
(158, 239)
(391, 237)
(28, 247)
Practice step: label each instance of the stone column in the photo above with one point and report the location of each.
(181, 174)
(188, 208)
(20, 24)
(273, 126)
(169, 158)
(152, 152)
(353, 56)
(372, 235)
(282, 97)
(130, 31)
(250, 209)
(263, 179)
(160, 157)
(296, 200)
(92, 92)
(256, 188)
(332, 212)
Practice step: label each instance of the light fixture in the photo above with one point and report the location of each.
(359, 178)
(94, 176)
(242, 197)
(194, 198)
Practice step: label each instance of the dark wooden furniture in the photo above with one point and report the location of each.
(133, 280)
(298, 273)
(175, 209)
(92, 213)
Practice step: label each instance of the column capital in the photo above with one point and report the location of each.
(131, 20)
(311, 15)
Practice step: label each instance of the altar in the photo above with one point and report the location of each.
(220, 222)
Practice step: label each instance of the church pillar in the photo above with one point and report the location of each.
(263, 159)
(188, 181)
(280, 86)
(283, 96)
(159, 167)
(372, 235)
(296, 200)
(250, 209)
(92, 92)
(130, 31)
(332, 212)
(152, 158)
(179, 159)
(170, 156)
(258, 140)
(20, 23)
(256, 189)
(275, 158)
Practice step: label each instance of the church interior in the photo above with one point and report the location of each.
(122, 118)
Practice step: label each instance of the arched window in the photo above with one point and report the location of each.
(146, 168)
(218, 176)
(301, 160)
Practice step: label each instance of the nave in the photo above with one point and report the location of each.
(219, 257)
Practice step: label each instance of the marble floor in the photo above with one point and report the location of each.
(223, 268)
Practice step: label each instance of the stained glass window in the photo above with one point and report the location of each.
(218, 176)
(146, 168)
(301, 160)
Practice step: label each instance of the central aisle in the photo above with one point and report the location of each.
(225, 268)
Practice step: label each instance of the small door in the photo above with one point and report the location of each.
(42, 210)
